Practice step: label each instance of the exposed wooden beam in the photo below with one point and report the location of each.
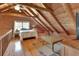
(41, 25)
(68, 9)
(56, 19)
(48, 21)
(1, 3)
(15, 14)
(30, 15)
(8, 8)
(12, 14)
(5, 6)
(36, 18)
(41, 21)
(27, 14)
(37, 21)
(35, 7)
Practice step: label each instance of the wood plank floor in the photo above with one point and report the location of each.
(29, 47)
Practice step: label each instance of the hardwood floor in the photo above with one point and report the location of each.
(14, 49)
(30, 47)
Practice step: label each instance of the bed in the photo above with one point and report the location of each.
(27, 34)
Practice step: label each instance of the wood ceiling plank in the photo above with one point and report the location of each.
(35, 7)
(56, 19)
(36, 20)
(5, 6)
(68, 9)
(48, 21)
(38, 4)
(12, 14)
(31, 17)
(74, 6)
(27, 15)
(8, 8)
(41, 21)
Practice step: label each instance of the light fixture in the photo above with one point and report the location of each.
(17, 7)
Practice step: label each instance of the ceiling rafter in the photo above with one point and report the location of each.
(3, 12)
(56, 19)
(41, 21)
(68, 8)
(48, 21)
(5, 6)
(8, 8)
(12, 14)
(35, 7)
(29, 15)
(38, 22)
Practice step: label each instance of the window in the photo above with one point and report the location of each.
(19, 25)
(26, 25)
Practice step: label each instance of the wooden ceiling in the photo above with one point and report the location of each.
(54, 17)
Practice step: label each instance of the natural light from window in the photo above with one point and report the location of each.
(21, 25)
